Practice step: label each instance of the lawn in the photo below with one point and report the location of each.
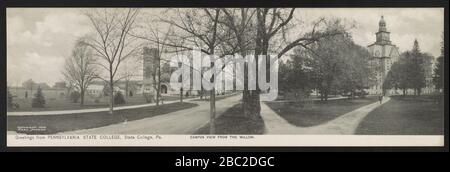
(317, 112)
(65, 104)
(405, 116)
(233, 122)
(51, 124)
(218, 97)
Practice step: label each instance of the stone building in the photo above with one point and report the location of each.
(383, 55)
(150, 60)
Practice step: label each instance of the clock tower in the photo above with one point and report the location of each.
(382, 34)
(383, 55)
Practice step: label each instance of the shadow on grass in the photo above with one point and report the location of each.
(51, 124)
(232, 121)
(317, 112)
(218, 97)
(405, 116)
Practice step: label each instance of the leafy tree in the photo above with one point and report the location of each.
(327, 63)
(332, 65)
(355, 73)
(39, 99)
(294, 77)
(438, 71)
(417, 71)
(410, 71)
(398, 76)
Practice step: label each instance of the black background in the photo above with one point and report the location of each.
(151, 158)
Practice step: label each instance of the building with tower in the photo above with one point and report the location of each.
(151, 58)
(383, 55)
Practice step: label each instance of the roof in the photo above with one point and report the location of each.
(95, 87)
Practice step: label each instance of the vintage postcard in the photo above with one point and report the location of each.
(206, 77)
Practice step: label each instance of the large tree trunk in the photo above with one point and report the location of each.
(111, 94)
(126, 89)
(111, 91)
(234, 75)
(157, 95)
(251, 105)
(212, 100)
(158, 91)
(251, 100)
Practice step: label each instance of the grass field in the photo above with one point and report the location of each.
(50, 124)
(218, 97)
(65, 104)
(233, 122)
(405, 116)
(317, 112)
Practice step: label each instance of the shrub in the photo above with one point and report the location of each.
(148, 97)
(39, 99)
(10, 99)
(118, 98)
(75, 96)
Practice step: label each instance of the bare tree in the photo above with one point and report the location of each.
(112, 42)
(79, 68)
(229, 31)
(158, 39)
(240, 22)
(127, 72)
(201, 29)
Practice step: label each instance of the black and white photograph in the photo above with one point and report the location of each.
(225, 76)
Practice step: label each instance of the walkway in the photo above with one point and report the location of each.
(186, 121)
(314, 99)
(345, 124)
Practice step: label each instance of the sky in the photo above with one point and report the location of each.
(39, 39)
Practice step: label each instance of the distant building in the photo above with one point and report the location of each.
(150, 59)
(97, 89)
(61, 84)
(27, 93)
(383, 55)
(147, 85)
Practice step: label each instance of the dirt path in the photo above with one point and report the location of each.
(345, 124)
(180, 122)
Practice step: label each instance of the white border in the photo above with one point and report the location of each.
(229, 141)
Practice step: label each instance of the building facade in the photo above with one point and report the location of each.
(383, 55)
(151, 58)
